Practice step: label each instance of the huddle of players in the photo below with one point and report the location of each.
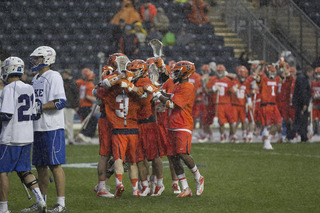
(262, 98)
(136, 126)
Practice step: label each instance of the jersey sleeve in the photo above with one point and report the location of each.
(56, 87)
(7, 100)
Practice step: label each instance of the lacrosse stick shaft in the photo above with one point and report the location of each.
(87, 119)
(27, 191)
(124, 108)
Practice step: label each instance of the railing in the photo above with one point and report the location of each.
(276, 29)
(253, 31)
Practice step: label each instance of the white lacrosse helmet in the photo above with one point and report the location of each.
(12, 66)
(48, 55)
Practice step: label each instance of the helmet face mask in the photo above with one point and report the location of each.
(112, 60)
(242, 74)
(176, 75)
(138, 68)
(182, 70)
(11, 66)
(221, 71)
(271, 72)
(41, 57)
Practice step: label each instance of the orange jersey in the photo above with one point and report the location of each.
(315, 91)
(239, 98)
(85, 88)
(284, 90)
(181, 115)
(268, 89)
(195, 79)
(118, 106)
(224, 84)
(145, 110)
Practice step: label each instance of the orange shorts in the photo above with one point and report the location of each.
(199, 110)
(270, 115)
(163, 137)
(256, 113)
(239, 113)
(210, 113)
(225, 114)
(178, 142)
(104, 129)
(149, 145)
(124, 144)
(284, 110)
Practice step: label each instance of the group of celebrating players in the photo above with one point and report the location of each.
(142, 120)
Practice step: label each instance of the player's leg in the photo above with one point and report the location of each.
(158, 170)
(134, 177)
(175, 181)
(143, 172)
(60, 183)
(4, 191)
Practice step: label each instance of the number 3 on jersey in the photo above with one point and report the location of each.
(122, 107)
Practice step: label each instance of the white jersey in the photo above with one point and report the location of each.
(49, 87)
(18, 99)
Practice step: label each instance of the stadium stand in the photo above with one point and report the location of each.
(79, 29)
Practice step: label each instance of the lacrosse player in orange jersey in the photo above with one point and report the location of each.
(221, 88)
(180, 125)
(121, 111)
(105, 146)
(164, 82)
(149, 146)
(293, 72)
(239, 99)
(270, 113)
(315, 89)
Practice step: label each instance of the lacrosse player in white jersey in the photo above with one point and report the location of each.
(17, 112)
(49, 136)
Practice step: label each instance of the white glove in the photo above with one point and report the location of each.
(39, 108)
(94, 92)
(124, 84)
(157, 94)
(215, 88)
(106, 83)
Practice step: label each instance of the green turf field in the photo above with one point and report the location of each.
(238, 178)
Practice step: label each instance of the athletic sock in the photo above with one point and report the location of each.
(145, 183)
(37, 194)
(44, 198)
(134, 184)
(3, 206)
(183, 181)
(118, 179)
(175, 181)
(195, 172)
(61, 201)
(102, 184)
(160, 181)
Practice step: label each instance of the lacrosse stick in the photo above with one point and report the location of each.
(122, 62)
(156, 46)
(87, 119)
(101, 57)
(27, 191)
(311, 121)
(215, 119)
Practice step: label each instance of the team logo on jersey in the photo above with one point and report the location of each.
(38, 92)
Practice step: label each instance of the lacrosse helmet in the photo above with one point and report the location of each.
(139, 68)
(205, 69)
(150, 61)
(242, 73)
(87, 74)
(221, 70)
(317, 73)
(12, 66)
(106, 70)
(112, 60)
(271, 71)
(182, 70)
(41, 57)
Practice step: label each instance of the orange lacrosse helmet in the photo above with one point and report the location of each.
(139, 68)
(271, 71)
(317, 73)
(106, 70)
(112, 60)
(242, 73)
(87, 74)
(182, 70)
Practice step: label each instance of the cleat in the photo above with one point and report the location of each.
(223, 138)
(176, 188)
(104, 193)
(32, 208)
(96, 188)
(153, 185)
(42, 207)
(158, 191)
(234, 139)
(119, 191)
(135, 193)
(145, 191)
(58, 208)
(200, 186)
(185, 193)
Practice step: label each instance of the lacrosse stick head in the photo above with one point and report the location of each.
(157, 47)
(153, 74)
(122, 62)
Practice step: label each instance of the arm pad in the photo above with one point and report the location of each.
(60, 103)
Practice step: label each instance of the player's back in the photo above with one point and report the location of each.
(18, 99)
(120, 106)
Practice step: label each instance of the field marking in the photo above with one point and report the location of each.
(259, 153)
